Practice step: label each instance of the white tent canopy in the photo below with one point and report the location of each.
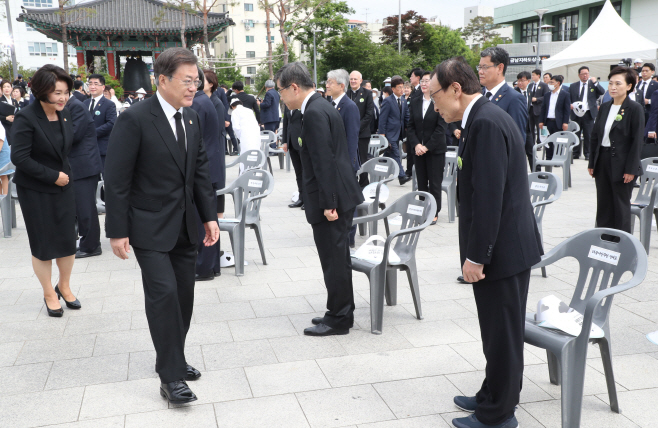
(605, 42)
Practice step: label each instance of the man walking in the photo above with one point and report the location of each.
(156, 179)
(103, 112)
(587, 91)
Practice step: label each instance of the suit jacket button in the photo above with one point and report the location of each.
(182, 207)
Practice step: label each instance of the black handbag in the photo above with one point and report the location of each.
(649, 149)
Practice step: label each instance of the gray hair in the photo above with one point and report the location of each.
(269, 83)
(168, 62)
(340, 76)
(497, 55)
(294, 72)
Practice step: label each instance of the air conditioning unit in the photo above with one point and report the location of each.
(247, 26)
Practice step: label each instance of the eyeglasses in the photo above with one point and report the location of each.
(484, 67)
(434, 93)
(425, 81)
(189, 83)
(283, 89)
(94, 84)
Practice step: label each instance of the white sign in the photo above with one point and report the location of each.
(255, 183)
(381, 168)
(542, 187)
(598, 253)
(252, 158)
(652, 168)
(415, 210)
(562, 140)
(451, 154)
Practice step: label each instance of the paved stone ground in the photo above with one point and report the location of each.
(94, 367)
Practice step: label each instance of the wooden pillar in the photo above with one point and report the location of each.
(156, 52)
(80, 54)
(111, 66)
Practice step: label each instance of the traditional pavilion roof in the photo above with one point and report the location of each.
(131, 17)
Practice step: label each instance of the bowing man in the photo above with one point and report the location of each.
(331, 193)
(290, 134)
(498, 237)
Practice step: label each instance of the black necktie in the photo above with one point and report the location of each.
(488, 95)
(642, 87)
(180, 135)
(525, 95)
(333, 103)
(399, 105)
(582, 91)
(93, 103)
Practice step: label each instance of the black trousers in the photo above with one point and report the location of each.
(429, 173)
(586, 124)
(501, 308)
(552, 127)
(363, 157)
(271, 126)
(168, 279)
(331, 240)
(207, 258)
(533, 125)
(89, 228)
(234, 140)
(296, 160)
(529, 141)
(613, 197)
(411, 158)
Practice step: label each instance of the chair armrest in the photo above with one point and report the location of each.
(234, 163)
(544, 144)
(225, 190)
(652, 201)
(545, 202)
(366, 218)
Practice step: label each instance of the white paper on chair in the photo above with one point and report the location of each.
(542, 187)
(255, 183)
(608, 256)
(451, 154)
(228, 220)
(415, 210)
(375, 254)
(553, 313)
(562, 140)
(252, 158)
(381, 168)
(653, 337)
(652, 168)
(370, 191)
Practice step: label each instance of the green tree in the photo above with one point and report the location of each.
(70, 14)
(263, 72)
(330, 21)
(442, 42)
(481, 29)
(413, 31)
(227, 69)
(6, 70)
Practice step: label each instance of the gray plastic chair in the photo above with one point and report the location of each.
(267, 138)
(645, 201)
(279, 134)
(449, 184)
(6, 205)
(567, 355)
(378, 144)
(414, 179)
(380, 170)
(383, 276)
(249, 189)
(403, 154)
(14, 198)
(100, 205)
(574, 127)
(562, 154)
(545, 188)
(251, 159)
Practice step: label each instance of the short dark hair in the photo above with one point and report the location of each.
(294, 72)
(168, 62)
(223, 86)
(364, 82)
(650, 65)
(5, 82)
(237, 86)
(629, 74)
(20, 88)
(497, 55)
(523, 74)
(77, 75)
(536, 71)
(457, 70)
(549, 74)
(100, 78)
(107, 89)
(78, 84)
(211, 77)
(45, 79)
(387, 90)
(418, 72)
(558, 78)
(396, 81)
(426, 73)
(584, 67)
(202, 83)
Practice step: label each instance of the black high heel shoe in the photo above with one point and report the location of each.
(53, 312)
(71, 305)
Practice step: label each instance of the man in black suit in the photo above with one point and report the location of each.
(156, 178)
(646, 87)
(587, 90)
(103, 112)
(523, 81)
(537, 90)
(78, 87)
(331, 193)
(414, 78)
(362, 97)
(248, 101)
(85, 160)
(555, 110)
(498, 237)
(292, 131)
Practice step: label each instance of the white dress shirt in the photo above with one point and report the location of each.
(553, 103)
(614, 111)
(169, 112)
(584, 100)
(96, 100)
(495, 89)
(308, 97)
(337, 100)
(426, 104)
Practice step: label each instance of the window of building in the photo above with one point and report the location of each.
(250, 39)
(225, 39)
(351, 26)
(595, 10)
(272, 24)
(565, 27)
(38, 3)
(42, 49)
(247, 80)
(223, 7)
(529, 31)
(271, 39)
(251, 70)
(248, 7)
(251, 54)
(249, 23)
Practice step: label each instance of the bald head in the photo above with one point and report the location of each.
(355, 80)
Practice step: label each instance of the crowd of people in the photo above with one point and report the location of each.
(162, 158)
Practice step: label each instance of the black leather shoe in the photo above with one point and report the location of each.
(192, 373)
(324, 330)
(71, 305)
(461, 279)
(434, 222)
(218, 273)
(81, 254)
(297, 204)
(210, 277)
(54, 312)
(234, 154)
(317, 320)
(303, 208)
(404, 180)
(177, 392)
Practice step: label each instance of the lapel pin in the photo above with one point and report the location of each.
(190, 122)
(64, 119)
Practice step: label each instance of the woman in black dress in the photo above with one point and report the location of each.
(5, 97)
(42, 135)
(614, 160)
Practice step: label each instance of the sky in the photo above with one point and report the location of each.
(449, 12)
